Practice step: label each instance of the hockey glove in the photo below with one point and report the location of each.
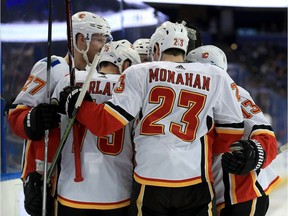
(42, 117)
(9, 105)
(33, 187)
(68, 98)
(245, 156)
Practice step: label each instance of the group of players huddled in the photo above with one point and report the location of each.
(163, 130)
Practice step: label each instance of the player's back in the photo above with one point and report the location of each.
(179, 91)
(106, 161)
(178, 103)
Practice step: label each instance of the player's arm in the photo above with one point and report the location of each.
(32, 117)
(16, 118)
(103, 119)
(89, 112)
(31, 123)
(261, 146)
(257, 127)
(229, 124)
(100, 119)
(266, 137)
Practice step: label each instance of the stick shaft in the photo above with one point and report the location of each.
(48, 101)
(70, 41)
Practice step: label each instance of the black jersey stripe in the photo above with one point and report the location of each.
(262, 127)
(234, 125)
(125, 114)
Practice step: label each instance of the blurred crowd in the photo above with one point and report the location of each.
(261, 68)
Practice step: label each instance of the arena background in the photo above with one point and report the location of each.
(253, 38)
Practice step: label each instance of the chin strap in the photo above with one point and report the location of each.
(84, 52)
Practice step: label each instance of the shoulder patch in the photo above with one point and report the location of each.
(54, 61)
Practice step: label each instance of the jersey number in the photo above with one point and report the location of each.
(235, 87)
(192, 102)
(112, 144)
(178, 42)
(249, 113)
(39, 84)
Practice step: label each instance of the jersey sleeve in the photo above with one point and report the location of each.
(34, 91)
(30, 95)
(16, 119)
(129, 92)
(258, 127)
(62, 83)
(229, 125)
(116, 113)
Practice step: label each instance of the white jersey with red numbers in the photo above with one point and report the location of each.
(234, 189)
(180, 104)
(101, 177)
(33, 93)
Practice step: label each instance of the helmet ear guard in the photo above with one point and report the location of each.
(208, 54)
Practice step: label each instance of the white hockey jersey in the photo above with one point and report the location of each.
(106, 162)
(179, 104)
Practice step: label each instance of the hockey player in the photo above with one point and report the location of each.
(240, 191)
(101, 183)
(179, 109)
(142, 46)
(32, 115)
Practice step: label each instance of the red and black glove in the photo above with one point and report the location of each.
(68, 98)
(42, 117)
(245, 156)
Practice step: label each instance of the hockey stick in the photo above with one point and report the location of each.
(70, 42)
(77, 158)
(23, 154)
(70, 63)
(69, 125)
(44, 198)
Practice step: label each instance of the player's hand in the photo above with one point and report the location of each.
(42, 117)
(245, 156)
(68, 98)
(33, 186)
(33, 193)
(8, 106)
(64, 95)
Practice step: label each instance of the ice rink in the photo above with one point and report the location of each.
(279, 196)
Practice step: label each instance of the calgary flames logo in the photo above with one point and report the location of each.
(205, 55)
(81, 16)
